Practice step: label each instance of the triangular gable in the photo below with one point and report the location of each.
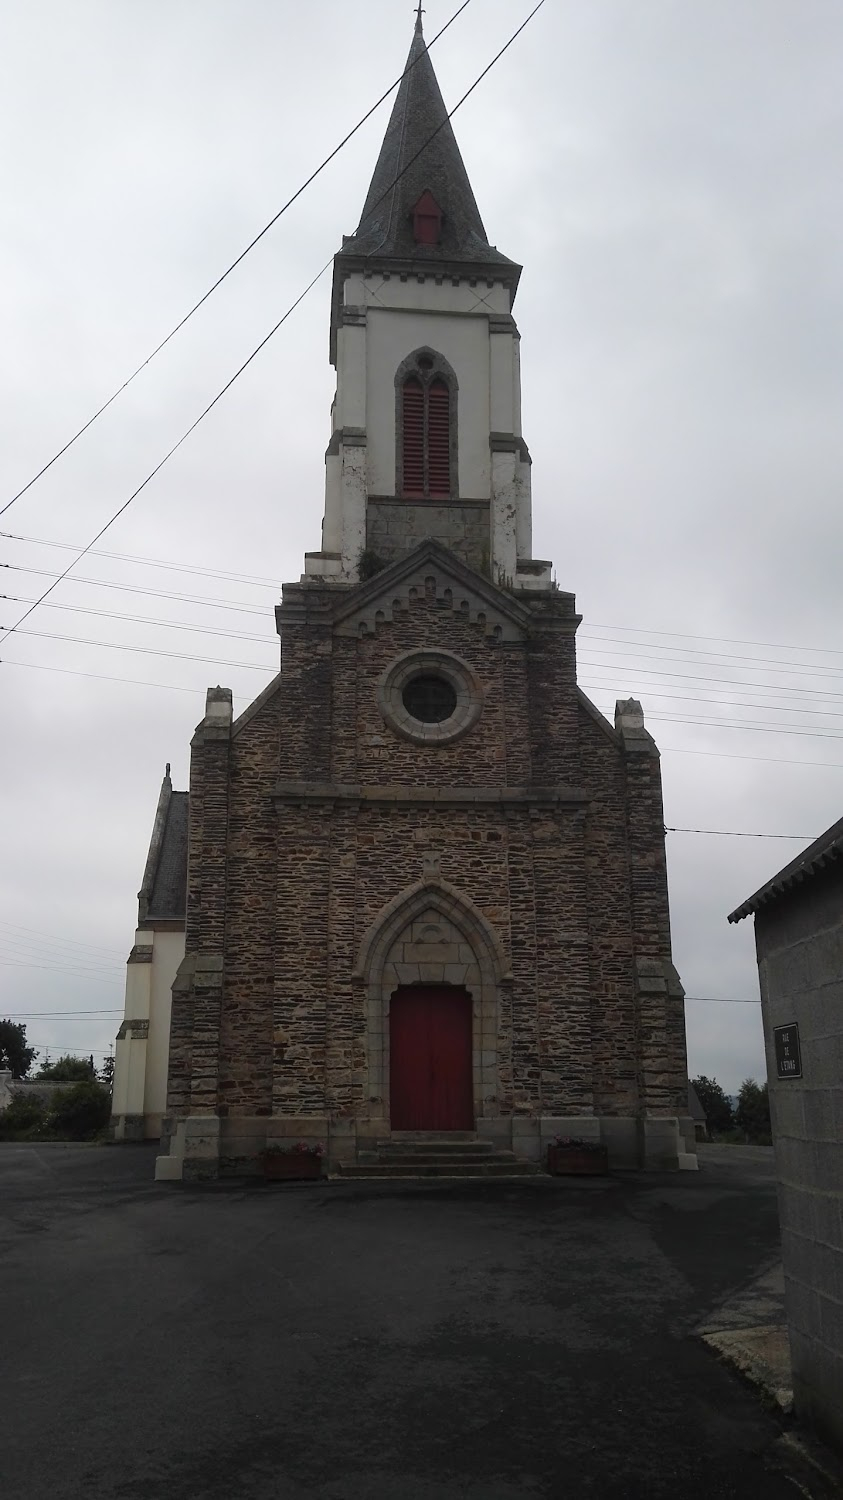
(471, 594)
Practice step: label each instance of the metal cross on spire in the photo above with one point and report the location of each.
(419, 13)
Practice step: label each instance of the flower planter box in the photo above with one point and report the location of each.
(292, 1166)
(577, 1161)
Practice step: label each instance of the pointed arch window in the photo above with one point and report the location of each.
(427, 422)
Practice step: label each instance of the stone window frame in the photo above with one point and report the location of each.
(392, 955)
(456, 671)
(439, 370)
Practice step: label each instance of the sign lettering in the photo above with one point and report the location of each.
(788, 1055)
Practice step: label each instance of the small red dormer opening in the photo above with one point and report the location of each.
(427, 220)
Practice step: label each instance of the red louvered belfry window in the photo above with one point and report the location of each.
(426, 413)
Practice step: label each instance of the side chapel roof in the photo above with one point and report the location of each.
(163, 892)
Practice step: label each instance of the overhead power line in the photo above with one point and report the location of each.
(238, 607)
(732, 833)
(725, 658)
(58, 1015)
(18, 963)
(782, 707)
(723, 640)
(258, 581)
(58, 938)
(211, 661)
(249, 579)
(8, 630)
(621, 667)
(170, 687)
(220, 279)
(749, 728)
(719, 1000)
(107, 614)
(764, 760)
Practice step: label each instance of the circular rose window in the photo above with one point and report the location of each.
(431, 697)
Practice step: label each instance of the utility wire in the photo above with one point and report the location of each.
(230, 634)
(660, 654)
(42, 1015)
(17, 963)
(170, 687)
(146, 562)
(723, 640)
(58, 938)
(719, 1000)
(618, 667)
(764, 760)
(210, 661)
(9, 630)
(732, 833)
(107, 614)
(220, 279)
(748, 728)
(255, 580)
(18, 947)
(778, 708)
(238, 607)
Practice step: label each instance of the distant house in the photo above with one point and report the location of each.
(799, 942)
(698, 1114)
(143, 1041)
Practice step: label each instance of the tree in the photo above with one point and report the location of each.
(107, 1073)
(80, 1112)
(717, 1106)
(14, 1052)
(752, 1115)
(69, 1069)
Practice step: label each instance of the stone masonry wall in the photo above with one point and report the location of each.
(394, 527)
(283, 889)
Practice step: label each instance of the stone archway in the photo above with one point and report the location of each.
(431, 934)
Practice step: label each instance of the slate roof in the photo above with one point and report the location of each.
(823, 852)
(169, 891)
(163, 892)
(385, 226)
(695, 1108)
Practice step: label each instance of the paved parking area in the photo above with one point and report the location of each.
(487, 1341)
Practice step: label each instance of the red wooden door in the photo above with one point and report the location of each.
(430, 1073)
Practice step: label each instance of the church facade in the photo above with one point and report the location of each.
(426, 884)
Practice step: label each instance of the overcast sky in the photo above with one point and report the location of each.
(669, 175)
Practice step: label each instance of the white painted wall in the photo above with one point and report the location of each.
(393, 316)
(464, 343)
(140, 1063)
(168, 952)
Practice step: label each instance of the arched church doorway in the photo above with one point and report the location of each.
(430, 1058)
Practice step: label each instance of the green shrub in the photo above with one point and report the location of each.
(80, 1112)
(368, 564)
(24, 1118)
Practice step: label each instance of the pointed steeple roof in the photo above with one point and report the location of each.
(411, 163)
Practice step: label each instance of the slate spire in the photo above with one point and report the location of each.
(386, 224)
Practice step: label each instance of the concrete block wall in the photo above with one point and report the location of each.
(800, 950)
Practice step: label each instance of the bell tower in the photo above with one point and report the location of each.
(426, 437)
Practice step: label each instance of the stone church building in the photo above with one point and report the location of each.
(425, 878)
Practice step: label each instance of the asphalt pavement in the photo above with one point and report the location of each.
(495, 1340)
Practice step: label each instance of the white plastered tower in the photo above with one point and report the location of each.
(419, 290)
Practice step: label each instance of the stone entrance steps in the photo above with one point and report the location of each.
(457, 1154)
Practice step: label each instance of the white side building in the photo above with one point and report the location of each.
(143, 1041)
